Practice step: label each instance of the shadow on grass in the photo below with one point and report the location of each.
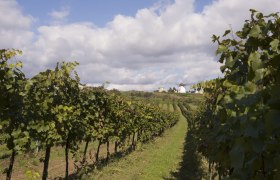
(88, 168)
(85, 171)
(82, 171)
(191, 165)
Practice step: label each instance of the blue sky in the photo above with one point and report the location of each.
(140, 45)
(98, 12)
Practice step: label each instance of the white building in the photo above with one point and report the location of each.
(181, 89)
(161, 89)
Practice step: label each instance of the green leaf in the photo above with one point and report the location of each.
(19, 64)
(255, 61)
(274, 45)
(259, 15)
(221, 48)
(215, 38)
(223, 68)
(230, 113)
(259, 74)
(227, 83)
(8, 86)
(239, 34)
(250, 87)
(226, 32)
(230, 62)
(227, 99)
(255, 31)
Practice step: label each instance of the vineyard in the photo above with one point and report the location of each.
(51, 110)
(232, 131)
(238, 127)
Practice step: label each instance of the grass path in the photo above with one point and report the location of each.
(155, 160)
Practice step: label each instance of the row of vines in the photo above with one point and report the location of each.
(238, 127)
(51, 109)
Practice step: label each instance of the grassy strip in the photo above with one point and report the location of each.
(154, 160)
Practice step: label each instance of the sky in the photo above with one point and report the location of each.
(139, 45)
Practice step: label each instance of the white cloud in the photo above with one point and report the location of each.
(163, 45)
(60, 16)
(14, 26)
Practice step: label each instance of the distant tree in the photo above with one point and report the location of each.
(170, 90)
(115, 91)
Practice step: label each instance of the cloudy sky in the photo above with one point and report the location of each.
(142, 45)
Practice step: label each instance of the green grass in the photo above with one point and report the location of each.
(170, 107)
(164, 106)
(155, 160)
